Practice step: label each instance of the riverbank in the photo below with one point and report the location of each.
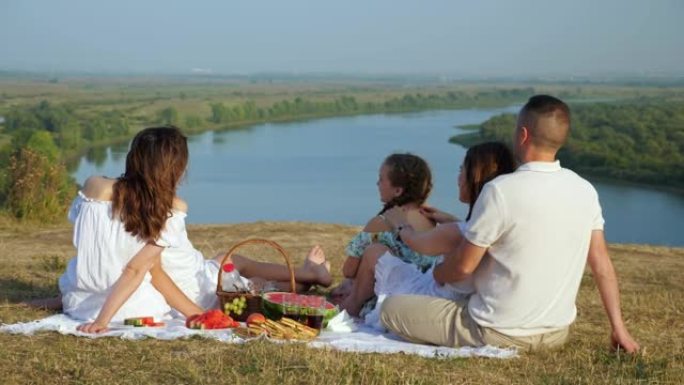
(34, 256)
(472, 138)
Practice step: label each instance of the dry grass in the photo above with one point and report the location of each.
(652, 283)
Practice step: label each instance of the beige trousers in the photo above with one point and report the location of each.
(444, 322)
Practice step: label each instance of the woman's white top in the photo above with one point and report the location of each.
(104, 248)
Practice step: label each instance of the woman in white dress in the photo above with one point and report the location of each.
(482, 163)
(119, 233)
(134, 257)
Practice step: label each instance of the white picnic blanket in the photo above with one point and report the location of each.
(363, 340)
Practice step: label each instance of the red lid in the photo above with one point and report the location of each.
(228, 267)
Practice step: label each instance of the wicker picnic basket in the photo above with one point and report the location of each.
(253, 301)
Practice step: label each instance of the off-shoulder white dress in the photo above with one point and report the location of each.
(104, 247)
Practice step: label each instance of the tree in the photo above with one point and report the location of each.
(168, 115)
(40, 187)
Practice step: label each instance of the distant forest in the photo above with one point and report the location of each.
(641, 143)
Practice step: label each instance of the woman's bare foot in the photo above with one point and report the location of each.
(319, 266)
(219, 258)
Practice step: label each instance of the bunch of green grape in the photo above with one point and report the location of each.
(236, 306)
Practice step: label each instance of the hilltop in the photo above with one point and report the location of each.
(651, 281)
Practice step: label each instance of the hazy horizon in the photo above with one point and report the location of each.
(527, 38)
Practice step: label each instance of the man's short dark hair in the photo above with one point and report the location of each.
(548, 121)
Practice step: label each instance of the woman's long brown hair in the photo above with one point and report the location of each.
(412, 174)
(482, 163)
(143, 195)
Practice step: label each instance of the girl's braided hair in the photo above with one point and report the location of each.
(412, 174)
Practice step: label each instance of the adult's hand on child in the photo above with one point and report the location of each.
(92, 327)
(437, 215)
(624, 341)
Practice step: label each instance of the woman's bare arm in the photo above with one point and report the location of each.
(440, 240)
(130, 279)
(173, 295)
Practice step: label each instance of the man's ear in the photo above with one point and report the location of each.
(524, 135)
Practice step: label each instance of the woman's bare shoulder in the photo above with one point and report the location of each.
(99, 188)
(180, 205)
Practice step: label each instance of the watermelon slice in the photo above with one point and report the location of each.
(139, 321)
(272, 305)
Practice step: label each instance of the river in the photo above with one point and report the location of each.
(325, 171)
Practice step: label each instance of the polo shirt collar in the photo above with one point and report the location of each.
(540, 166)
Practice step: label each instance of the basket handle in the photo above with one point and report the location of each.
(273, 244)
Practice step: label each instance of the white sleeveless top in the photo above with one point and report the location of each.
(104, 247)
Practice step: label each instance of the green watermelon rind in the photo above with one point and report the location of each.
(274, 310)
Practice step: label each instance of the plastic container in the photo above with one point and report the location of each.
(231, 280)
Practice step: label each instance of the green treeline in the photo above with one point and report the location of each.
(345, 105)
(641, 143)
(75, 130)
(35, 183)
(70, 131)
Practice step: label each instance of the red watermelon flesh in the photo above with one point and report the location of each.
(273, 305)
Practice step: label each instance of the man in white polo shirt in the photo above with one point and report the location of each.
(526, 245)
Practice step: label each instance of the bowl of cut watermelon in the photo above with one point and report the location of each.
(211, 320)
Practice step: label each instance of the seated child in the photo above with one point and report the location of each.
(404, 181)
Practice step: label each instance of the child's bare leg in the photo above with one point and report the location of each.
(54, 303)
(315, 270)
(364, 283)
(350, 267)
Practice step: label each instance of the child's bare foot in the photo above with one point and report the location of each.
(341, 291)
(350, 306)
(317, 264)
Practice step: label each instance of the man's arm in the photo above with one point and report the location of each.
(459, 264)
(172, 294)
(606, 280)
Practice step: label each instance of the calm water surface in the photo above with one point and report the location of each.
(325, 171)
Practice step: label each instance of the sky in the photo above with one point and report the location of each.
(506, 38)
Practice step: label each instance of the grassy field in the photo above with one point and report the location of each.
(32, 258)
